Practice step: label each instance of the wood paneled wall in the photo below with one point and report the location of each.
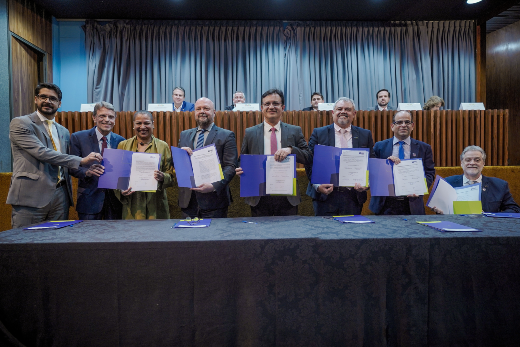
(24, 76)
(503, 80)
(448, 132)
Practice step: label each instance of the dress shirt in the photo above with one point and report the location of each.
(267, 137)
(206, 133)
(407, 147)
(177, 109)
(55, 136)
(382, 108)
(100, 141)
(465, 180)
(337, 136)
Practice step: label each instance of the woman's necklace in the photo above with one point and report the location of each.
(145, 144)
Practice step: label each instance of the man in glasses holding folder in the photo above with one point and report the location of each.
(328, 200)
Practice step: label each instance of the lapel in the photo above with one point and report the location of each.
(192, 137)
(485, 184)
(259, 136)
(92, 137)
(63, 145)
(39, 124)
(331, 136)
(414, 149)
(183, 106)
(113, 141)
(458, 181)
(355, 136)
(283, 134)
(388, 148)
(211, 135)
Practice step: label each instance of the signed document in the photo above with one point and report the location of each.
(409, 178)
(279, 176)
(468, 193)
(206, 165)
(353, 168)
(141, 174)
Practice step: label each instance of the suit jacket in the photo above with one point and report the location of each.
(361, 138)
(90, 198)
(495, 197)
(226, 145)
(229, 108)
(388, 108)
(308, 109)
(419, 149)
(291, 135)
(186, 106)
(36, 164)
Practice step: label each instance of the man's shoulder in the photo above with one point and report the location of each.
(361, 130)
(229, 108)
(118, 137)
(222, 131)
(454, 178)
(255, 127)
(419, 143)
(83, 133)
(383, 142)
(28, 118)
(494, 180)
(290, 126)
(307, 109)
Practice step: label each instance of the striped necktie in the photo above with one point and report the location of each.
(200, 139)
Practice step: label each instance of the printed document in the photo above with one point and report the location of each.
(206, 165)
(141, 174)
(353, 168)
(279, 176)
(409, 178)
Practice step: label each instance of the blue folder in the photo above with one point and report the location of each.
(54, 224)
(183, 166)
(252, 181)
(381, 177)
(325, 166)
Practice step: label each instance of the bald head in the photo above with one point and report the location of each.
(204, 112)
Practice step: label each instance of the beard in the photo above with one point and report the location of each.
(47, 113)
(204, 123)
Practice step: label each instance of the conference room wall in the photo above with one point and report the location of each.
(503, 80)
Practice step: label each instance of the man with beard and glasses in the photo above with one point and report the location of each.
(209, 200)
(40, 187)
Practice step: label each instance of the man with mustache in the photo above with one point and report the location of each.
(209, 200)
(40, 187)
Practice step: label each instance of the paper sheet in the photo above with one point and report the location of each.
(141, 174)
(206, 165)
(409, 178)
(279, 176)
(353, 168)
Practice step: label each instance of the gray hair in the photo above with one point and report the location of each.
(149, 114)
(102, 104)
(472, 148)
(345, 99)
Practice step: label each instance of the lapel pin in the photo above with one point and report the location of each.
(414, 154)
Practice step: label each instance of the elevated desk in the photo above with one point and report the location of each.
(297, 281)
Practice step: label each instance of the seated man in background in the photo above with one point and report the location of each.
(179, 105)
(316, 99)
(238, 98)
(495, 194)
(383, 100)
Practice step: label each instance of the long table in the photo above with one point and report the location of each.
(287, 281)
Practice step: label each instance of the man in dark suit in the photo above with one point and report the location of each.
(402, 146)
(262, 139)
(495, 195)
(40, 187)
(383, 100)
(316, 98)
(94, 203)
(179, 105)
(210, 199)
(238, 98)
(328, 200)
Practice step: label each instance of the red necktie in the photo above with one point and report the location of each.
(104, 144)
(274, 143)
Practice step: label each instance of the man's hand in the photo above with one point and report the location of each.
(325, 189)
(359, 187)
(158, 175)
(437, 210)
(127, 192)
(93, 157)
(95, 170)
(239, 171)
(188, 149)
(394, 159)
(204, 188)
(281, 154)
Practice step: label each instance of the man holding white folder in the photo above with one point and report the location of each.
(210, 199)
(402, 146)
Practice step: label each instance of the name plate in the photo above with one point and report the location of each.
(87, 107)
(160, 107)
(247, 107)
(472, 106)
(325, 106)
(409, 106)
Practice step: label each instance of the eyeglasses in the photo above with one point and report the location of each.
(403, 122)
(274, 104)
(52, 99)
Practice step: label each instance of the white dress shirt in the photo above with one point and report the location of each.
(100, 141)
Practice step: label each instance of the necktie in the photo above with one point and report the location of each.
(401, 150)
(103, 145)
(49, 129)
(200, 139)
(470, 182)
(274, 143)
(343, 141)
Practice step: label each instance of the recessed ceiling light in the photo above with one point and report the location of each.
(473, 1)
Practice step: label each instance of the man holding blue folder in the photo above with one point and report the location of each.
(279, 139)
(328, 200)
(399, 147)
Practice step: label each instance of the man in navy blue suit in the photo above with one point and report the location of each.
(238, 98)
(94, 203)
(316, 98)
(179, 105)
(402, 146)
(328, 200)
(383, 100)
(210, 199)
(495, 194)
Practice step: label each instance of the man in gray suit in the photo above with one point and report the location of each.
(209, 200)
(288, 139)
(40, 187)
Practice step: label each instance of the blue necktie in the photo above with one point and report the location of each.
(401, 150)
(200, 140)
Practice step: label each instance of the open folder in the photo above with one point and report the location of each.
(327, 161)
(253, 180)
(460, 200)
(406, 178)
(202, 167)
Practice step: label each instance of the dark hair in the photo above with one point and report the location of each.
(149, 114)
(102, 104)
(48, 86)
(316, 93)
(180, 88)
(382, 90)
(274, 91)
(395, 114)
